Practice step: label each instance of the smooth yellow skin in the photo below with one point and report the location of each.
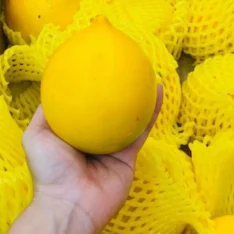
(224, 225)
(99, 90)
(29, 16)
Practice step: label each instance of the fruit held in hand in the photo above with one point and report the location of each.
(30, 16)
(99, 90)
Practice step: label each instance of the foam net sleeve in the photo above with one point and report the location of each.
(213, 161)
(165, 19)
(164, 197)
(14, 38)
(168, 22)
(166, 126)
(174, 35)
(208, 97)
(15, 179)
(26, 102)
(21, 65)
(210, 28)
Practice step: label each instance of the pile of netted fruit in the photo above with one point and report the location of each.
(184, 179)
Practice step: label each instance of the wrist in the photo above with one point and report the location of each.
(67, 217)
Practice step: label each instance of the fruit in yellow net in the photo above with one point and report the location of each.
(147, 12)
(207, 97)
(167, 19)
(210, 29)
(30, 16)
(99, 90)
(224, 225)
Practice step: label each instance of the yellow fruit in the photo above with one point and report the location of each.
(224, 225)
(99, 90)
(29, 16)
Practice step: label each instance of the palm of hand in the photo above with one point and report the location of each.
(96, 186)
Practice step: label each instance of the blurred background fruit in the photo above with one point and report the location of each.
(29, 16)
(186, 64)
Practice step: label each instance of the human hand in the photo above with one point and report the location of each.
(96, 188)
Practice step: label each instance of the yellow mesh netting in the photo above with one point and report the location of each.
(14, 38)
(166, 127)
(15, 179)
(208, 97)
(213, 164)
(26, 99)
(173, 37)
(210, 28)
(51, 37)
(21, 65)
(167, 19)
(164, 197)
